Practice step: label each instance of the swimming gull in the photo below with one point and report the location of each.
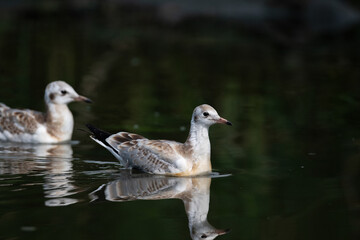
(53, 126)
(164, 156)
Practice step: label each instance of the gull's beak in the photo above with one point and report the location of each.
(224, 121)
(82, 99)
(222, 231)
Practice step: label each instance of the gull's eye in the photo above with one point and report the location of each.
(206, 114)
(63, 92)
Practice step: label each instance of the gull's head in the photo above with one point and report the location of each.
(206, 115)
(60, 92)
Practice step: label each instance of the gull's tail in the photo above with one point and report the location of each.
(97, 134)
(101, 138)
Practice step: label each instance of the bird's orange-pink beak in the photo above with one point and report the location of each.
(82, 99)
(222, 231)
(224, 121)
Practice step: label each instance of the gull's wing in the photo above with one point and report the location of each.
(16, 121)
(154, 156)
(123, 137)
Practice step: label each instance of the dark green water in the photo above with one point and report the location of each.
(293, 151)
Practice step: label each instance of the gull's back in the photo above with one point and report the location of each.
(153, 156)
(19, 125)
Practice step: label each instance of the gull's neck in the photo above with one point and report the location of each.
(59, 121)
(199, 144)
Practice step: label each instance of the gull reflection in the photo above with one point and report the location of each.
(54, 161)
(193, 191)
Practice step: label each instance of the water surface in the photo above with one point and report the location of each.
(293, 150)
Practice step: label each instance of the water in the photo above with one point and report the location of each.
(290, 162)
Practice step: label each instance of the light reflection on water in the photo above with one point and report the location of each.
(52, 161)
(295, 111)
(193, 191)
(51, 168)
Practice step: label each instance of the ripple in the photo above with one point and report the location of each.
(60, 202)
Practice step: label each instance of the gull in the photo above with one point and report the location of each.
(54, 126)
(163, 156)
(193, 191)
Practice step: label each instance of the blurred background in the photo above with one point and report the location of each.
(285, 72)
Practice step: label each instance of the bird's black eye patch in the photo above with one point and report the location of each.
(206, 114)
(63, 92)
(203, 236)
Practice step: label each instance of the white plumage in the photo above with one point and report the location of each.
(164, 156)
(55, 125)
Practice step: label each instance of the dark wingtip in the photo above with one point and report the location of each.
(90, 127)
(97, 133)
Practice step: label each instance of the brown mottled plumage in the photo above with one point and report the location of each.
(16, 121)
(163, 156)
(56, 125)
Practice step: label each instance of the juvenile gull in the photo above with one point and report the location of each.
(164, 156)
(53, 126)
